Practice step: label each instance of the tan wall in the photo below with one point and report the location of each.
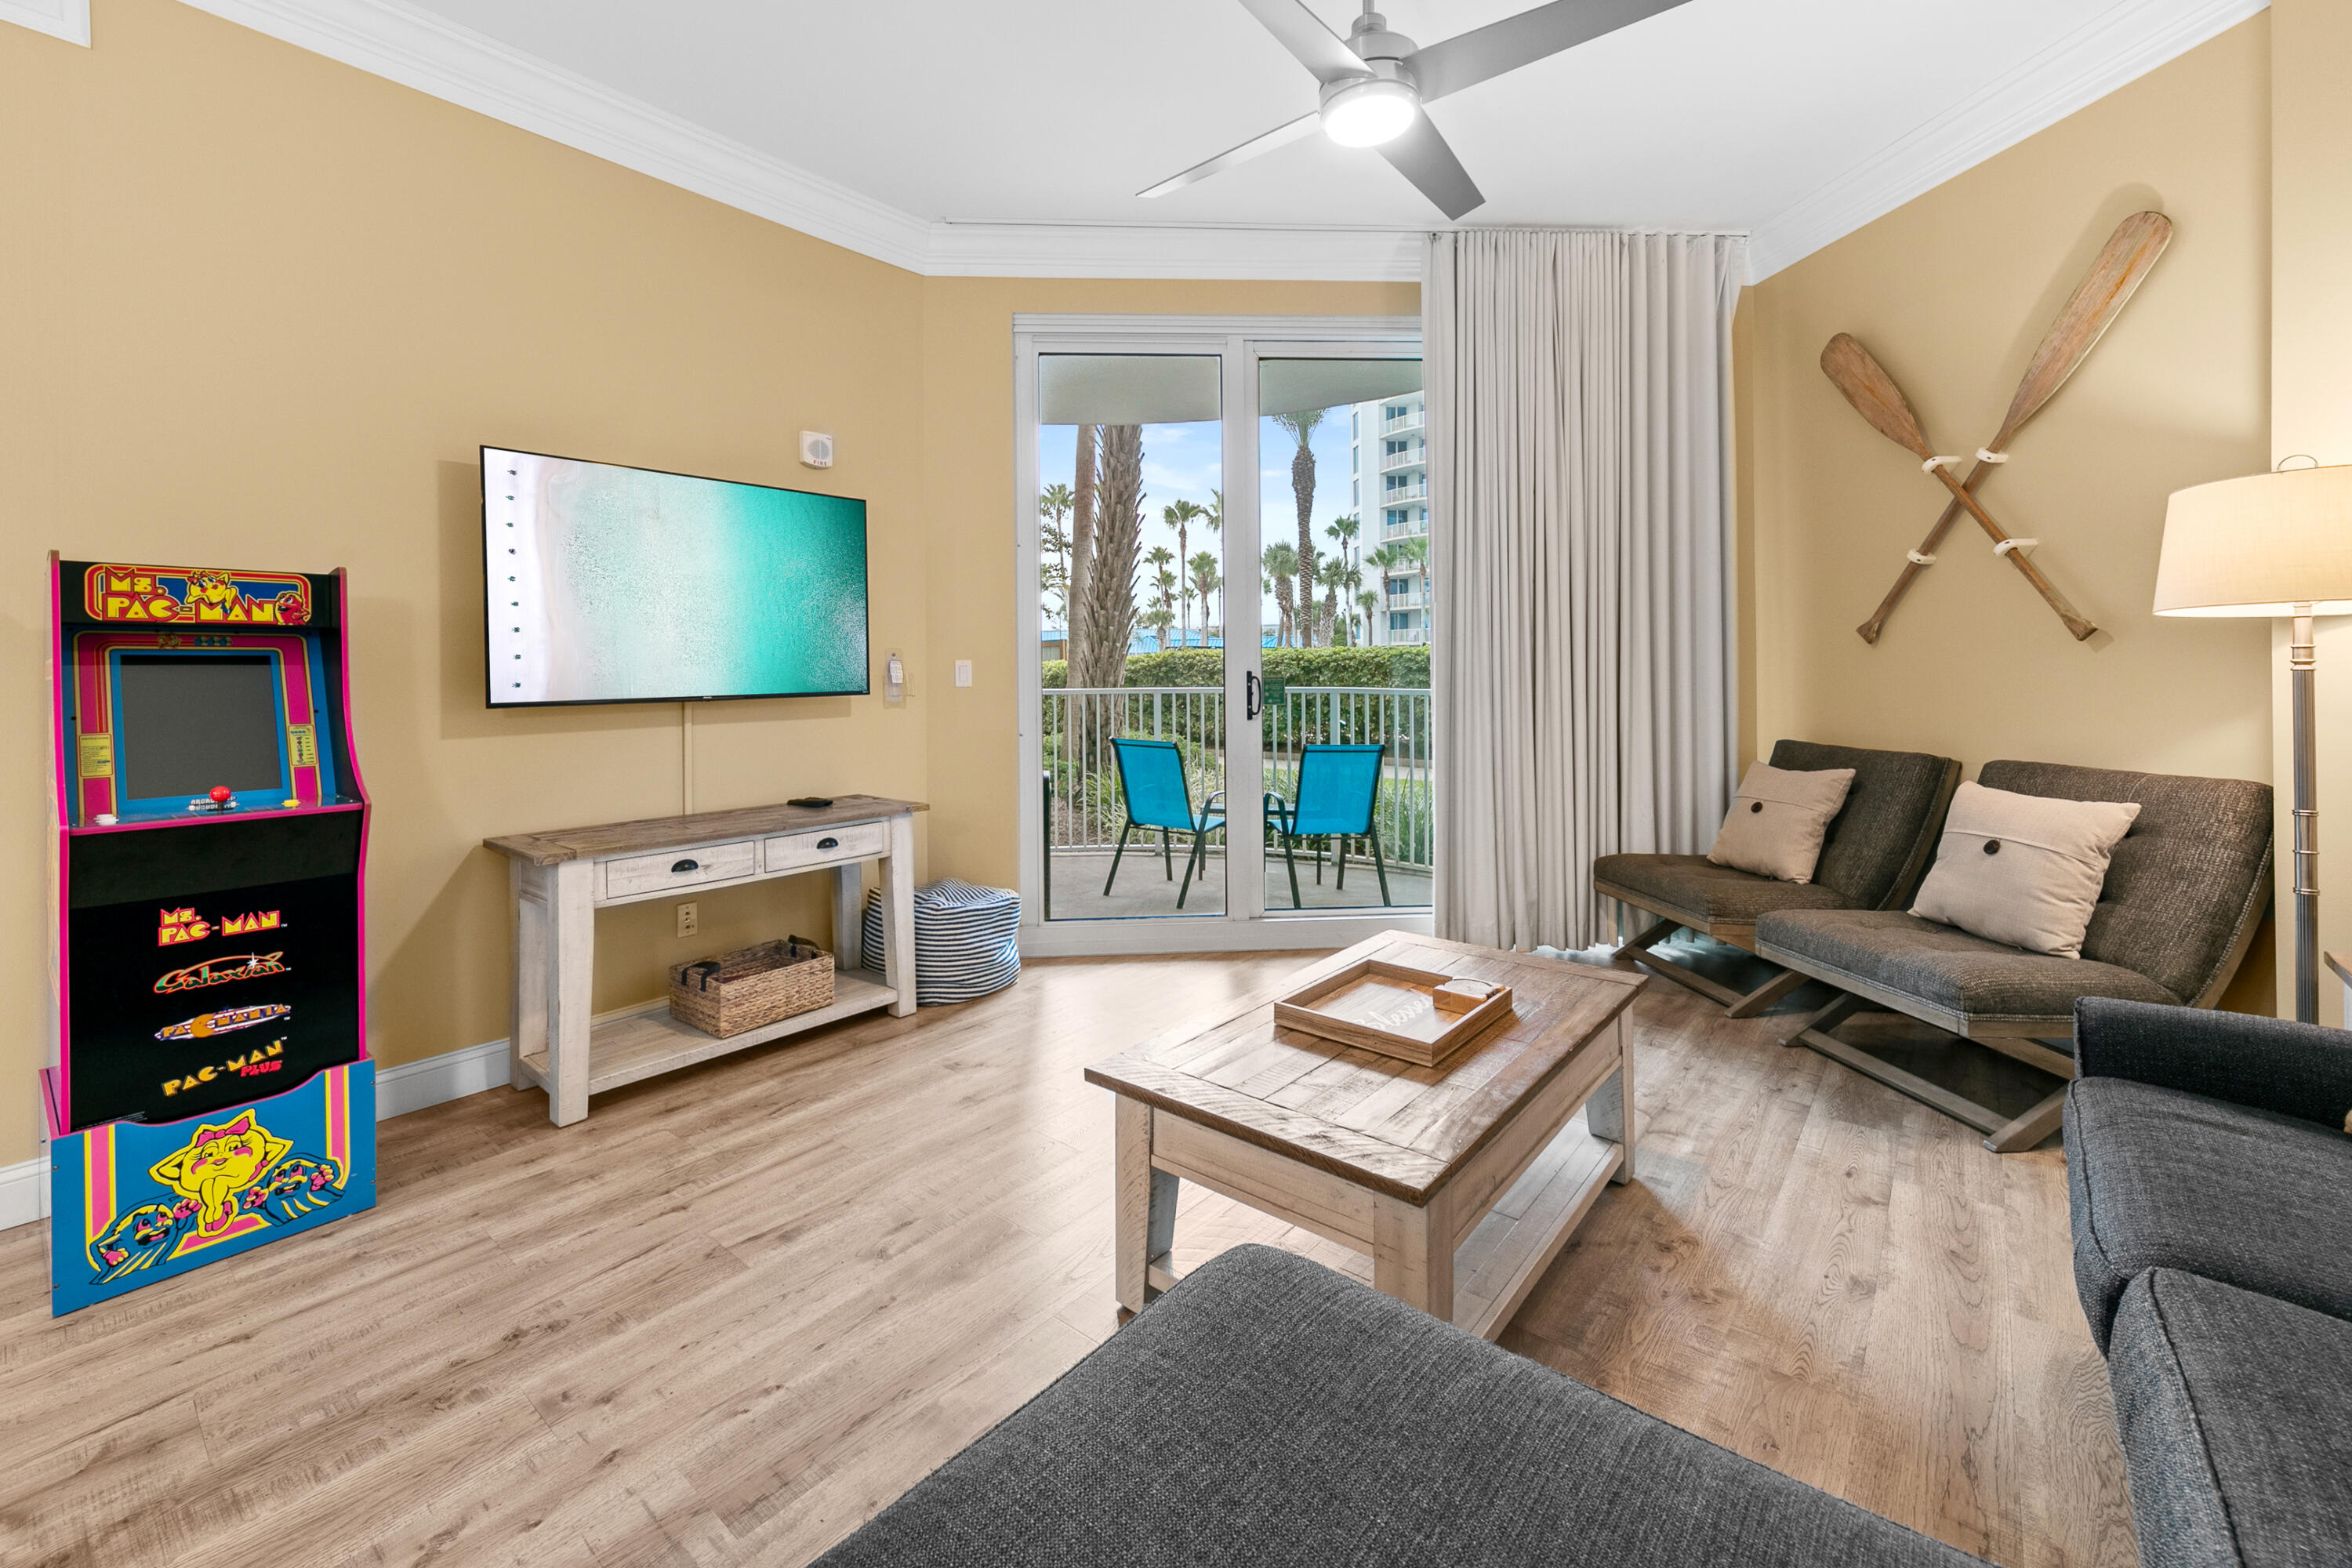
(1952, 292)
(968, 452)
(261, 308)
(2311, 393)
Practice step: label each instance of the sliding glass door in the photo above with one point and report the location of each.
(1131, 713)
(1344, 503)
(1224, 661)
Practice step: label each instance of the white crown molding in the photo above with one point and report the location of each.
(1103, 250)
(66, 19)
(460, 66)
(434, 55)
(2117, 46)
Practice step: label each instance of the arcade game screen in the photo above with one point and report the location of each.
(189, 723)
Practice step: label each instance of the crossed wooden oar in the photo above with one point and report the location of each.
(2129, 254)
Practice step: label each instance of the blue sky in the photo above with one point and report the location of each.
(1184, 462)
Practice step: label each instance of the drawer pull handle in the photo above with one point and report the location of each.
(684, 866)
(828, 843)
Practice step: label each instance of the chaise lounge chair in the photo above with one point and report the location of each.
(2184, 893)
(1877, 850)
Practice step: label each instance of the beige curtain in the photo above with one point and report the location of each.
(1581, 506)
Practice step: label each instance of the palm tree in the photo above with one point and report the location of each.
(1105, 590)
(1281, 564)
(1413, 555)
(1369, 603)
(1054, 504)
(1311, 627)
(1157, 620)
(1302, 424)
(1178, 515)
(1162, 586)
(1388, 560)
(1086, 473)
(1206, 582)
(1350, 582)
(1343, 531)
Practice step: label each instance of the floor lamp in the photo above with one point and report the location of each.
(2272, 545)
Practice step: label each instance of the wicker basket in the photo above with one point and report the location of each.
(751, 987)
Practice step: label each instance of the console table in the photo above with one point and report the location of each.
(560, 881)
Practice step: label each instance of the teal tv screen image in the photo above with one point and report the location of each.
(606, 584)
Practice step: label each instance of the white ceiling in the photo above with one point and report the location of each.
(1811, 115)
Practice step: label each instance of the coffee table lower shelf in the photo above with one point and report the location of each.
(641, 1045)
(1508, 1251)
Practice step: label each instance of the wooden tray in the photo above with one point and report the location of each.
(1387, 1008)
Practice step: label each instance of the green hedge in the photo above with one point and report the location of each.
(1404, 668)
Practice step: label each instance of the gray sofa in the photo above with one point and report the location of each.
(2184, 895)
(1873, 855)
(1267, 1410)
(2209, 1178)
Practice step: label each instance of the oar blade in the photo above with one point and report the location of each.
(2124, 263)
(1865, 384)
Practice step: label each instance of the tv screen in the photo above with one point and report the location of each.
(188, 722)
(617, 585)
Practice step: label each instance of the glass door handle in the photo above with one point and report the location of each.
(1253, 703)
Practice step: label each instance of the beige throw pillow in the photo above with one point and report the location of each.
(2023, 868)
(1776, 826)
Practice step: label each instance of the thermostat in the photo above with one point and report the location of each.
(816, 449)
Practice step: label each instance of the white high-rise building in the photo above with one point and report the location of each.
(1390, 450)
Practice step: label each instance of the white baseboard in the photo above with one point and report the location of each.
(24, 1192)
(411, 1086)
(435, 1080)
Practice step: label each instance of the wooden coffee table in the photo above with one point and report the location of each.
(1463, 1181)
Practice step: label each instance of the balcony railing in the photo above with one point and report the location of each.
(1408, 601)
(1083, 791)
(1416, 458)
(1418, 490)
(1412, 421)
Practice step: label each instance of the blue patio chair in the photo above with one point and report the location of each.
(1338, 786)
(1151, 776)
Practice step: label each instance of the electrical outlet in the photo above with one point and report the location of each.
(689, 919)
(963, 672)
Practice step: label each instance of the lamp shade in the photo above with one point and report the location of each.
(2264, 545)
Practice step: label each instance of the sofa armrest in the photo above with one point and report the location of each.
(2270, 1064)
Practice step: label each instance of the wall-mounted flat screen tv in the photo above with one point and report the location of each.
(605, 583)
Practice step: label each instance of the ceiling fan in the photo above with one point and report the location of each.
(1376, 83)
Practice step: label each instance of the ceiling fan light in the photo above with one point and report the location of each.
(1367, 113)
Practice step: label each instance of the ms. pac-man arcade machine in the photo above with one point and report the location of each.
(209, 1087)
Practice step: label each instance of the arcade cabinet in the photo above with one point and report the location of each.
(209, 1087)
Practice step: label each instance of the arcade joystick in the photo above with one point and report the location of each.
(221, 795)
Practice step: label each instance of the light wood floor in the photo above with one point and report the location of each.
(738, 1309)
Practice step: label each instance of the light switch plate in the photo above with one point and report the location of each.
(963, 672)
(689, 919)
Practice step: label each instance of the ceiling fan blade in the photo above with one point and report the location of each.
(1467, 58)
(1422, 156)
(1277, 137)
(1300, 31)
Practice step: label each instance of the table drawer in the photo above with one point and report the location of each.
(680, 868)
(825, 845)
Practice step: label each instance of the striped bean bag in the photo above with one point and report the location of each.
(967, 939)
